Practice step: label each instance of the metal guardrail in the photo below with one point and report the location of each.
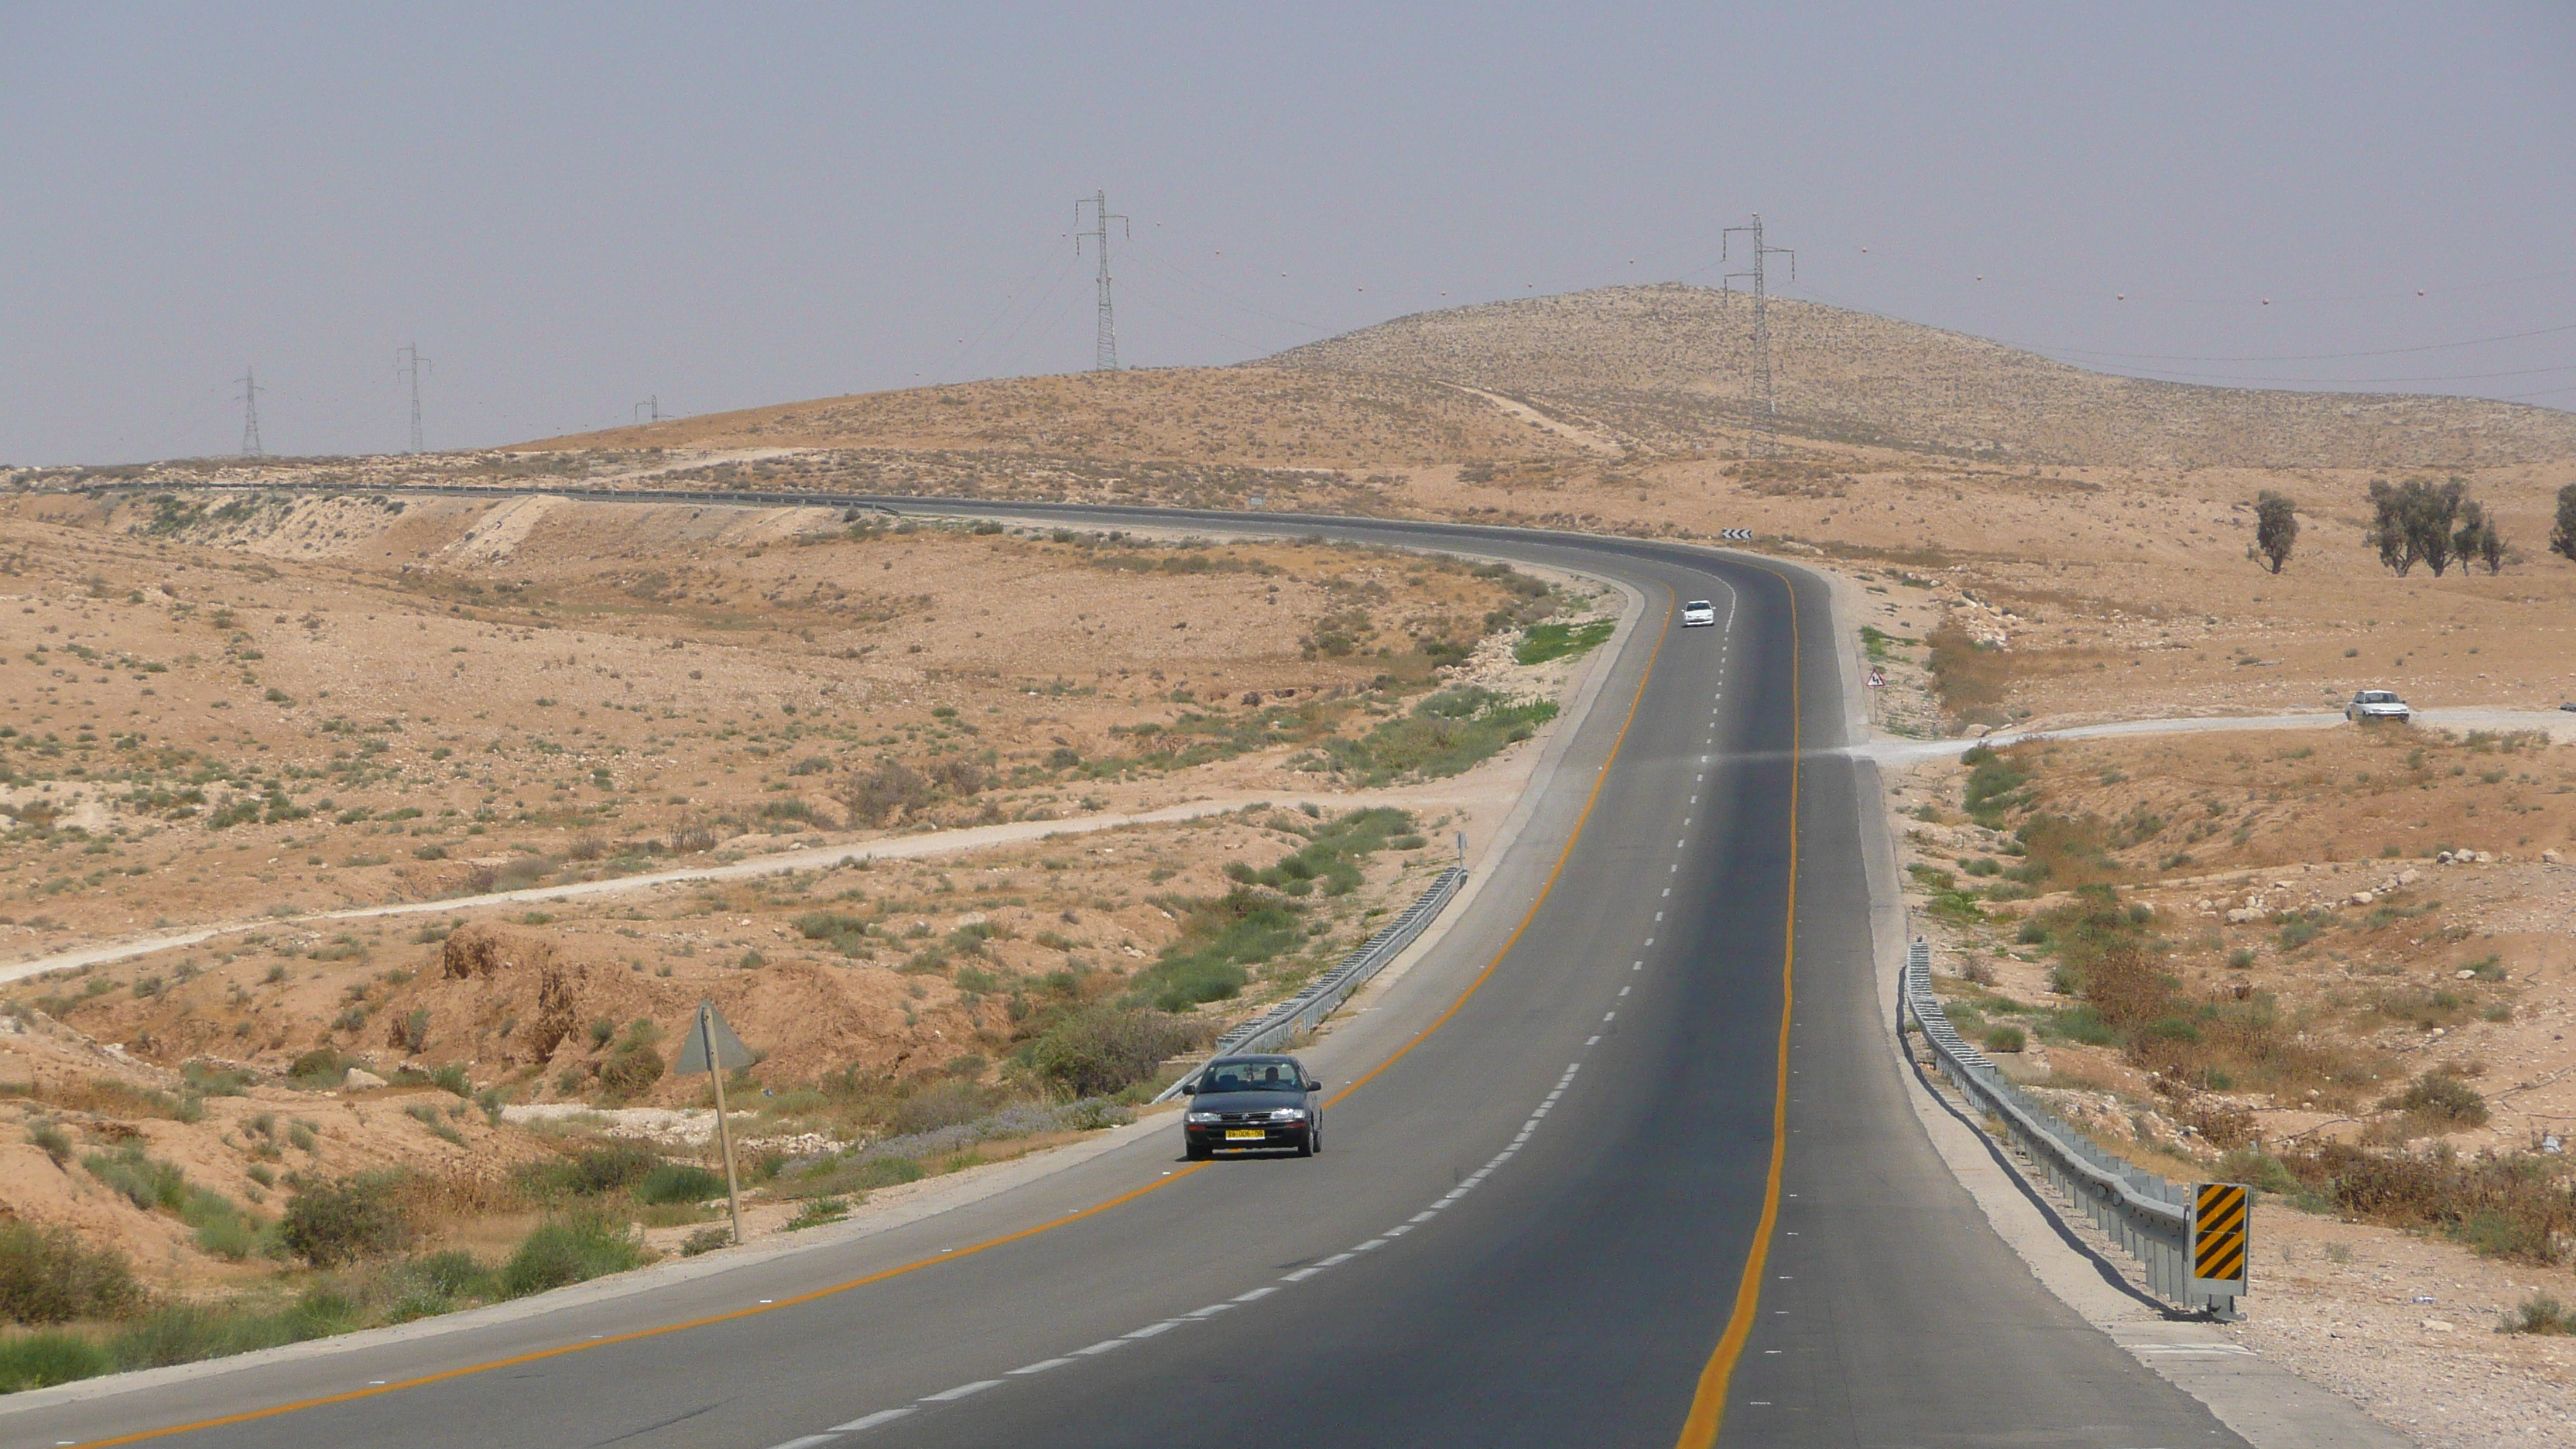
(2148, 1216)
(1304, 1010)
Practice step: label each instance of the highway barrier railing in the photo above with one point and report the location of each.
(1326, 993)
(2152, 1219)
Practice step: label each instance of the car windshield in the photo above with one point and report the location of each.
(1253, 1077)
(1700, 606)
(2377, 696)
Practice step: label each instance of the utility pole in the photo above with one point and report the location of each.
(407, 365)
(1104, 347)
(1759, 442)
(651, 407)
(250, 414)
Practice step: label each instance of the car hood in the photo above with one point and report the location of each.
(1246, 1101)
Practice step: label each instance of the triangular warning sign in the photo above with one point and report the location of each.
(730, 1053)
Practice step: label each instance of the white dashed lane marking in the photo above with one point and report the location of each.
(1106, 1345)
(961, 1391)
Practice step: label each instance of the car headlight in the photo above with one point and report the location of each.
(1289, 1114)
(1203, 1116)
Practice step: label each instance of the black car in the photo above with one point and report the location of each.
(1252, 1104)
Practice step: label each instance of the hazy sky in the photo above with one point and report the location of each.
(572, 208)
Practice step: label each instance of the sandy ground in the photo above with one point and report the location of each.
(507, 788)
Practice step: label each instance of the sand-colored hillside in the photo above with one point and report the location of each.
(1241, 416)
(1668, 367)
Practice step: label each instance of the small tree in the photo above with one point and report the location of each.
(2390, 532)
(328, 1224)
(2491, 548)
(2562, 538)
(2276, 529)
(2434, 517)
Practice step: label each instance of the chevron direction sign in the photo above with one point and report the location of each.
(1735, 535)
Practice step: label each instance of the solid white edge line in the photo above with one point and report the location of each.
(1103, 1346)
(1210, 1311)
(1041, 1366)
(1150, 1329)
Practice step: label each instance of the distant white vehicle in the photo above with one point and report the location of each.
(1698, 612)
(2371, 704)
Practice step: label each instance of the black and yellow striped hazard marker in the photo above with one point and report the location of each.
(2220, 1237)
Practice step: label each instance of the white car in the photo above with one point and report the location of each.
(1698, 612)
(2372, 704)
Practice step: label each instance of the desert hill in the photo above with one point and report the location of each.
(1645, 372)
(1252, 416)
(1669, 367)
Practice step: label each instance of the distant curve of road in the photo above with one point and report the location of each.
(1626, 1160)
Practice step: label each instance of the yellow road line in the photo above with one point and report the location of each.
(919, 1263)
(1708, 1402)
(1545, 890)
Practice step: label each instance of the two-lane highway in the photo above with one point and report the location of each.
(1565, 1198)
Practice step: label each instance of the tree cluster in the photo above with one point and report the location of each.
(2434, 524)
(2562, 538)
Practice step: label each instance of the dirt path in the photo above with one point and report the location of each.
(943, 842)
(2559, 725)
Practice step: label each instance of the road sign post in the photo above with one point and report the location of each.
(2221, 1244)
(712, 1048)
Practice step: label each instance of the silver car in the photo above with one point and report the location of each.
(2377, 704)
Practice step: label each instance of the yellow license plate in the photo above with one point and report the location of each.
(1245, 1134)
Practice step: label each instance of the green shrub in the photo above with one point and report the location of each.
(146, 1183)
(706, 1240)
(1101, 1050)
(818, 1212)
(571, 1249)
(678, 1182)
(591, 1171)
(2259, 1170)
(2540, 1314)
(2444, 1098)
(42, 1360)
(331, 1223)
(632, 1070)
(1219, 938)
(53, 1140)
(2005, 1039)
(48, 1275)
(1543, 642)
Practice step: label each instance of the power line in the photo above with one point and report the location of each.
(1760, 442)
(1104, 346)
(250, 391)
(407, 365)
(651, 407)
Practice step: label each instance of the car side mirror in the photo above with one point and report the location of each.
(1314, 1084)
(1189, 1089)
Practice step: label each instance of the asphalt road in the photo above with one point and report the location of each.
(1557, 1210)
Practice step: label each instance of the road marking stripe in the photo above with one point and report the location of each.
(1041, 1366)
(870, 1421)
(1103, 1346)
(1419, 1217)
(1150, 1329)
(1300, 1276)
(808, 1442)
(1574, 838)
(1708, 1403)
(1589, 1040)
(1211, 1311)
(961, 1391)
(1337, 1258)
(1262, 1292)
